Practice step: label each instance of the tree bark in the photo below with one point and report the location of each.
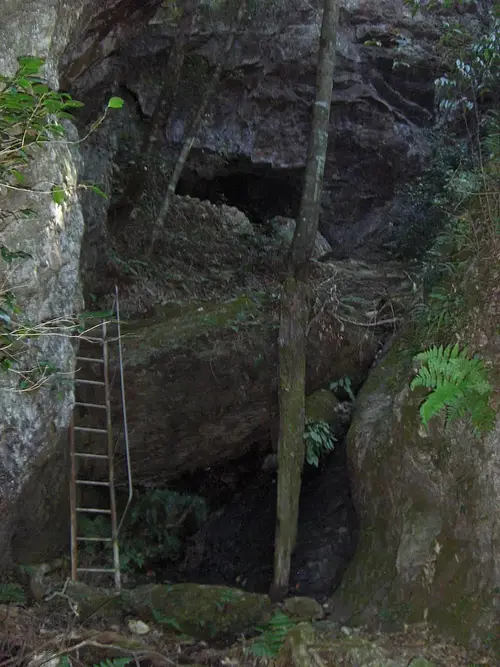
(191, 135)
(295, 314)
(137, 177)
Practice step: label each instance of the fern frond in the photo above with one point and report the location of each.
(459, 385)
(444, 396)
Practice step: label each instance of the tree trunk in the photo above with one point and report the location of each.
(137, 176)
(186, 148)
(295, 314)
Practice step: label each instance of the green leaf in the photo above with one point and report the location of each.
(115, 103)
(58, 195)
(17, 175)
(98, 191)
(41, 89)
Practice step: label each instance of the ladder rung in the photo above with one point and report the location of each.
(94, 539)
(96, 382)
(88, 429)
(92, 456)
(96, 569)
(90, 405)
(94, 360)
(89, 482)
(92, 510)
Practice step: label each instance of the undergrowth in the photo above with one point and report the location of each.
(154, 531)
(272, 636)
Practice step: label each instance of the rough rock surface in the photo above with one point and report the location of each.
(203, 612)
(251, 148)
(428, 500)
(33, 472)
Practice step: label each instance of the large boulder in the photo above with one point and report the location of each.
(428, 500)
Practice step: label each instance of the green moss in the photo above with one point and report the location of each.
(176, 325)
(322, 406)
(370, 573)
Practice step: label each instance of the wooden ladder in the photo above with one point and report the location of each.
(94, 445)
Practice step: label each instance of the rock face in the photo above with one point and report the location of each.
(251, 152)
(46, 286)
(33, 472)
(428, 500)
(251, 148)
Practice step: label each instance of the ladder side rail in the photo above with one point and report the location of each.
(72, 500)
(124, 412)
(112, 496)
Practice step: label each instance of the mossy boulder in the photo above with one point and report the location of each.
(197, 610)
(322, 405)
(203, 612)
(201, 379)
(427, 498)
(306, 648)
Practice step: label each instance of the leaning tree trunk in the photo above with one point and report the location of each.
(295, 314)
(186, 148)
(137, 177)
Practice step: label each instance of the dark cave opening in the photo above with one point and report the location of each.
(261, 192)
(234, 544)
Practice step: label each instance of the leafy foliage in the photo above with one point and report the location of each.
(459, 385)
(319, 440)
(345, 384)
(31, 116)
(154, 529)
(272, 636)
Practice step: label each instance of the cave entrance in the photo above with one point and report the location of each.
(260, 192)
(221, 527)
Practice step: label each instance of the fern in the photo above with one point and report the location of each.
(459, 386)
(272, 636)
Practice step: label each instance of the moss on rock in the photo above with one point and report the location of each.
(322, 405)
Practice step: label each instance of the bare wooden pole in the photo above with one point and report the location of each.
(295, 313)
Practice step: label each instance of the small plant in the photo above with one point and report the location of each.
(166, 620)
(319, 440)
(12, 593)
(459, 385)
(272, 636)
(31, 116)
(345, 384)
(155, 527)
